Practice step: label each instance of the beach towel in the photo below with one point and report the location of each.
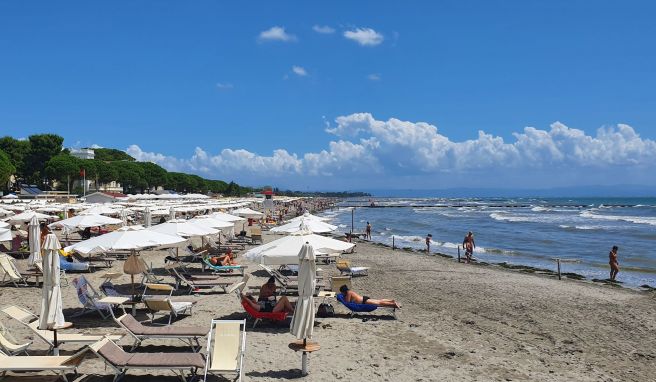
(355, 307)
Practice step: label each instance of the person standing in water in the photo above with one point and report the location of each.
(429, 237)
(469, 245)
(614, 264)
(367, 232)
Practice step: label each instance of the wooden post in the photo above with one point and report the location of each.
(393, 246)
(458, 253)
(558, 262)
(352, 219)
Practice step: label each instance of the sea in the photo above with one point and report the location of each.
(519, 231)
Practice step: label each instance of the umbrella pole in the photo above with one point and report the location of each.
(55, 349)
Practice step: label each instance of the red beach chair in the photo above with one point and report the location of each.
(258, 316)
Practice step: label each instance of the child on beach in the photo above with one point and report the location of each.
(469, 245)
(614, 264)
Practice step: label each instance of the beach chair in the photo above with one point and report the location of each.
(31, 321)
(11, 274)
(121, 362)
(195, 283)
(148, 275)
(73, 266)
(9, 345)
(345, 268)
(190, 335)
(89, 297)
(226, 346)
(258, 316)
(105, 261)
(59, 365)
(223, 268)
(256, 235)
(159, 300)
(286, 282)
(355, 308)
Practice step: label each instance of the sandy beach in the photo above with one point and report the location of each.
(458, 323)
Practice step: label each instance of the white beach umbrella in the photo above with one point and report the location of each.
(303, 319)
(314, 226)
(10, 196)
(4, 212)
(51, 316)
(26, 216)
(308, 216)
(147, 217)
(172, 213)
(101, 210)
(35, 241)
(133, 237)
(4, 225)
(5, 235)
(124, 217)
(184, 228)
(209, 221)
(285, 250)
(226, 217)
(248, 213)
(84, 221)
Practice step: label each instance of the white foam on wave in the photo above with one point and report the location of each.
(583, 227)
(409, 238)
(500, 216)
(630, 219)
(342, 226)
(540, 209)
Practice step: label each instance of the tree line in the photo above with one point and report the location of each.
(42, 160)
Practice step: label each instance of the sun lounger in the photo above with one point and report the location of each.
(194, 282)
(361, 308)
(162, 303)
(11, 274)
(9, 345)
(57, 364)
(148, 275)
(121, 362)
(256, 235)
(226, 346)
(345, 268)
(286, 282)
(187, 334)
(104, 261)
(89, 297)
(258, 316)
(73, 266)
(31, 321)
(223, 268)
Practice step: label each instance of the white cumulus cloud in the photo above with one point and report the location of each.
(323, 29)
(299, 71)
(367, 151)
(276, 33)
(364, 36)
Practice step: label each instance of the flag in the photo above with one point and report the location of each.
(82, 173)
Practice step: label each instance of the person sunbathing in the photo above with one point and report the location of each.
(282, 305)
(351, 296)
(223, 260)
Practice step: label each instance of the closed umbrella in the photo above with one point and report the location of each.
(124, 217)
(52, 316)
(35, 241)
(303, 319)
(147, 217)
(172, 213)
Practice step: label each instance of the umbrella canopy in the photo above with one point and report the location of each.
(303, 319)
(4, 212)
(226, 217)
(208, 221)
(124, 217)
(4, 225)
(101, 210)
(315, 226)
(285, 250)
(184, 228)
(147, 217)
(84, 221)
(5, 234)
(248, 213)
(51, 302)
(308, 216)
(127, 238)
(26, 216)
(10, 196)
(35, 241)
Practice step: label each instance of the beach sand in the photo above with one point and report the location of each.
(458, 323)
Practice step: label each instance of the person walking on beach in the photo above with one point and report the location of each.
(469, 245)
(429, 237)
(367, 232)
(614, 264)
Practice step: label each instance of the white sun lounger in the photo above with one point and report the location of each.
(345, 268)
(9, 345)
(226, 346)
(162, 303)
(56, 364)
(11, 274)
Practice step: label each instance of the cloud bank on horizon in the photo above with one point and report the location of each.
(367, 153)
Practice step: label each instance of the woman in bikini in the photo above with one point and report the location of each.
(614, 264)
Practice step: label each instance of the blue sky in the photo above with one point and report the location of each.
(344, 95)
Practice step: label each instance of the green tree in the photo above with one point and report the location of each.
(131, 176)
(111, 155)
(17, 151)
(64, 168)
(6, 169)
(154, 175)
(105, 172)
(42, 148)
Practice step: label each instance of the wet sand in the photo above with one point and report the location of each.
(458, 323)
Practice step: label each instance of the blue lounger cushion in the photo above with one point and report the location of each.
(68, 266)
(355, 307)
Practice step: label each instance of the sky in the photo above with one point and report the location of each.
(344, 95)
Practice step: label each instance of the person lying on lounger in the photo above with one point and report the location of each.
(351, 296)
(282, 305)
(225, 259)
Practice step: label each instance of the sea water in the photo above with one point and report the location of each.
(521, 231)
